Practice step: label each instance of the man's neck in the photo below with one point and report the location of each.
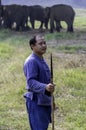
(39, 55)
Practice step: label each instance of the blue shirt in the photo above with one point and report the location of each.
(37, 75)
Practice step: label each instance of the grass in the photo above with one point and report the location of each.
(69, 63)
(71, 48)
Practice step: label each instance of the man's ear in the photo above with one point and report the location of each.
(32, 46)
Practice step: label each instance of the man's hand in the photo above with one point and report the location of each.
(50, 88)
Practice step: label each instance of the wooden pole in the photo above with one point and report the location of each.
(52, 96)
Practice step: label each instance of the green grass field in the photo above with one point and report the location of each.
(69, 63)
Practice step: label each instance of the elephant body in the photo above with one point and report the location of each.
(59, 13)
(37, 13)
(14, 17)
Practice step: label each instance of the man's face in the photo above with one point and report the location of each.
(40, 47)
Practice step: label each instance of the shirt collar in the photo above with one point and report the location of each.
(37, 57)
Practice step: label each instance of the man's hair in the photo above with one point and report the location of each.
(32, 41)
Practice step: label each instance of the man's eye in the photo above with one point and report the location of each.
(41, 43)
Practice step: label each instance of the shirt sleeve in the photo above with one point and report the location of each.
(31, 70)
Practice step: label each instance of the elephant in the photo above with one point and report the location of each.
(0, 2)
(14, 17)
(37, 13)
(58, 13)
(1, 11)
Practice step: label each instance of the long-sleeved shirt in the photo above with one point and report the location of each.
(37, 75)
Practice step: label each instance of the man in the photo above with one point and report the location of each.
(38, 78)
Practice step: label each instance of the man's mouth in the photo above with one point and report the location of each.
(44, 49)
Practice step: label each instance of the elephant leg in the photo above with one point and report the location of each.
(17, 28)
(32, 23)
(46, 23)
(23, 26)
(18, 25)
(58, 26)
(41, 25)
(69, 26)
(46, 26)
(7, 23)
(51, 26)
(72, 28)
(58, 29)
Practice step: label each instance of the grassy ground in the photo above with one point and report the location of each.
(69, 62)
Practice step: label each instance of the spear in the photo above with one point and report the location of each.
(52, 96)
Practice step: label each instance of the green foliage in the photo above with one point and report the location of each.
(69, 48)
(71, 95)
(5, 50)
(80, 19)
